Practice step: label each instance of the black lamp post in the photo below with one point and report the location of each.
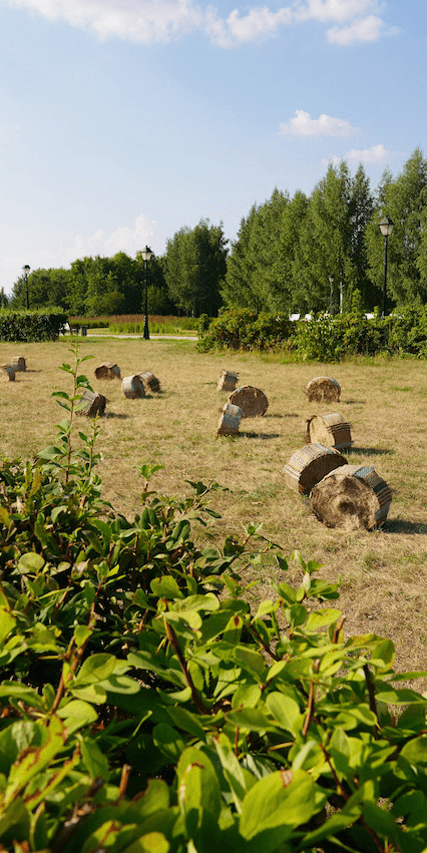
(331, 295)
(386, 227)
(26, 270)
(146, 254)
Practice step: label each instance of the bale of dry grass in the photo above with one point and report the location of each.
(7, 373)
(150, 382)
(18, 362)
(229, 421)
(133, 387)
(351, 497)
(252, 401)
(323, 389)
(309, 465)
(107, 370)
(92, 404)
(331, 430)
(227, 380)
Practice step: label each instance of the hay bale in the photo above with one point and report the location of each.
(92, 404)
(227, 381)
(133, 387)
(331, 430)
(251, 401)
(107, 370)
(150, 382)
(323, 389)
(18, 362)
(351, 497)
(7, 373)
(229, 421)
(309, 465)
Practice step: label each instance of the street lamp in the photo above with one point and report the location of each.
(331, 295)
(26, 270)
(386, 227)
(146, 254)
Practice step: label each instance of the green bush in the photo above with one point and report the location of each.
(31, 325)
(147, 706)
(245, 329)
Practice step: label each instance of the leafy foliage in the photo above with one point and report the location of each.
(148, 704)
(31, 325)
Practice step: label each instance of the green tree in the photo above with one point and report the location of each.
(46, 287)
(195, 267)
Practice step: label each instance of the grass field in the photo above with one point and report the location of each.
(384, 572)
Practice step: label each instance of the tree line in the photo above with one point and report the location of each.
(306, 253)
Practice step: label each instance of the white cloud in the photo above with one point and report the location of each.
(373, 155)
(303, 125)
(147, 21)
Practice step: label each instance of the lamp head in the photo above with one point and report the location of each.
(386, 226)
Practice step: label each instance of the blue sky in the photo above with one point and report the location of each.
(123, 120)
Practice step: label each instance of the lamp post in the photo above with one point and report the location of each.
(386, 227)
(26, 270)
(146, 254)
(331, 295)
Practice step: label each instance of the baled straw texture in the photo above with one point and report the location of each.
(107, 370)
(133, 387)
(7, 373)
(150, 382)
(323, 389)
(351, 497)
(309, 465)
(94, 404)
(252, 401)
(331, 430)
(18, 362)
(227, 381)
(229, 421)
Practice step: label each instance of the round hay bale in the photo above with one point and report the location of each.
(331, 430)
(107, 370)
(92, 404)
(7, 373)
(309, 465)
(351, 497)
(323, 389)
(227, 381)
(229, 421)
(133, 387)
(252, 401)
(150, 382)
(18, 362)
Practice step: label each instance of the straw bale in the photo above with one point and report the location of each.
(7, 373)
(107, 370)
(251, 400)
(92, 404)
(323, 389)
(18, 362)
(309, 465)
(331, 430)
(133, 387)
(150, 382)
(352, 497)
(227, 381)
(229, 421)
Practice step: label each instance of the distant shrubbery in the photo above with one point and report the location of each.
(323, 339)
(31, 325)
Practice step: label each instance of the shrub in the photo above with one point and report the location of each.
(31, 325)
(246, 329)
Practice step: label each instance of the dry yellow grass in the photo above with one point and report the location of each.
(384, 572)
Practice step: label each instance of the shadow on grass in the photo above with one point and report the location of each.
(259, 435)
(116, 416)
(286, 415)
(371, 451)
(353, 402)
(399, 525)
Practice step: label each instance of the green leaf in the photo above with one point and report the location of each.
(166, 587)
(282, 799)
(7, 619)
(415, 751)
(322, 618)
(33, 760)
(198, 786)
(95, 668)
(31, 562)
(77, 714)
(169, 742)
(96, 763)
(286, 712)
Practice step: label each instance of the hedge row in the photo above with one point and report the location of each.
(324, 338)
(31, 325)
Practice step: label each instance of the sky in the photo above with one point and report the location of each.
(122, 121)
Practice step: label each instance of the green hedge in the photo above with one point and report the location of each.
(245, 329)
(31, 325)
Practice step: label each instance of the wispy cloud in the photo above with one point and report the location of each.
(147, 21)
(303, 125)
(375, 155)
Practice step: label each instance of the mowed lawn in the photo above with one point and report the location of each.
(384, 572)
